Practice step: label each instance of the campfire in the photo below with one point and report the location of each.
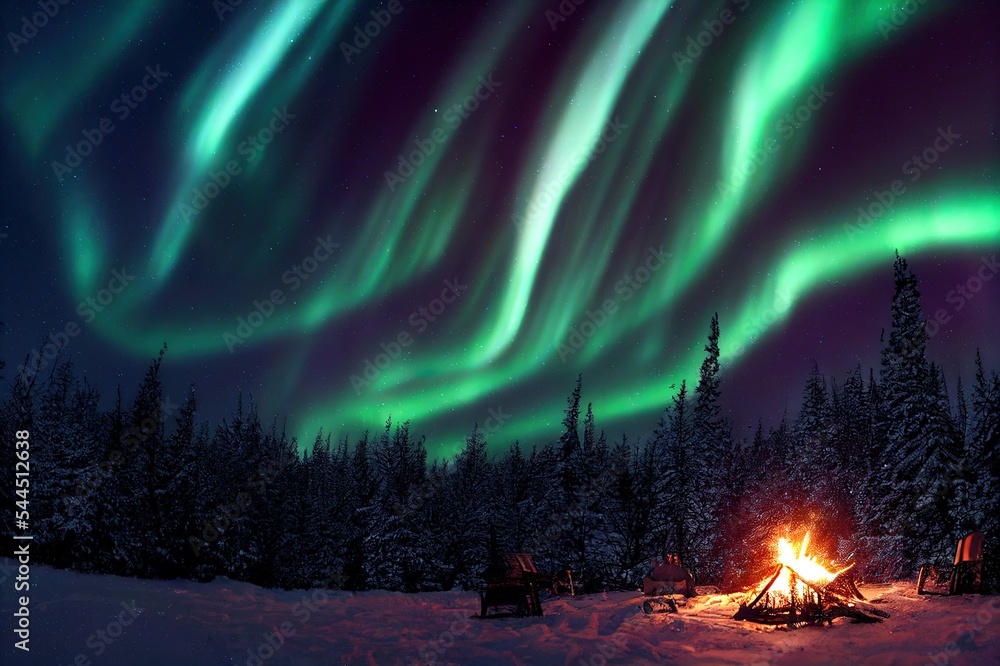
(803, 591)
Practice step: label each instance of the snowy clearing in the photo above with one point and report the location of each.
(105, 620)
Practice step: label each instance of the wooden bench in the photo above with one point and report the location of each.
(514, 584)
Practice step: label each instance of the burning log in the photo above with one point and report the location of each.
(767, 587)
(802, 591)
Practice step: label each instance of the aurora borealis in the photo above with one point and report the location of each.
(461, 207)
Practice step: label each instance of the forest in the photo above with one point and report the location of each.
(887, 467)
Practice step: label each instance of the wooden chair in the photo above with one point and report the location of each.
(967, 572)
(514, 582)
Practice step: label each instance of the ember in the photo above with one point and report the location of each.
(803, 591)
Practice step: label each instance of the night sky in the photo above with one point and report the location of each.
(494, 197)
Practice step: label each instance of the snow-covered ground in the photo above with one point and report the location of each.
(106, 621)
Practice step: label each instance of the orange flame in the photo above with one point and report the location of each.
(802, 566)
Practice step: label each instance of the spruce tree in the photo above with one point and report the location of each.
(138, 480)
(182, 485)
(984, 457)
(585, 515)
(816, 472)
(569, 441)
(398, 551)
(512, 508)
(812, 430)
(466, 516)
(70, 422)
(680, 472)
(364, 490)
(712, 437)
(905, 383)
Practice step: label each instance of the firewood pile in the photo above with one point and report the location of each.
(803, 591)
(808, 602)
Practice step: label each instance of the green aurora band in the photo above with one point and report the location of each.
(533, 281)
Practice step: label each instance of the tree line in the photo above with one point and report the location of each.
(887, 469)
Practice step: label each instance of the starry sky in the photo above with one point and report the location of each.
(445, 211)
